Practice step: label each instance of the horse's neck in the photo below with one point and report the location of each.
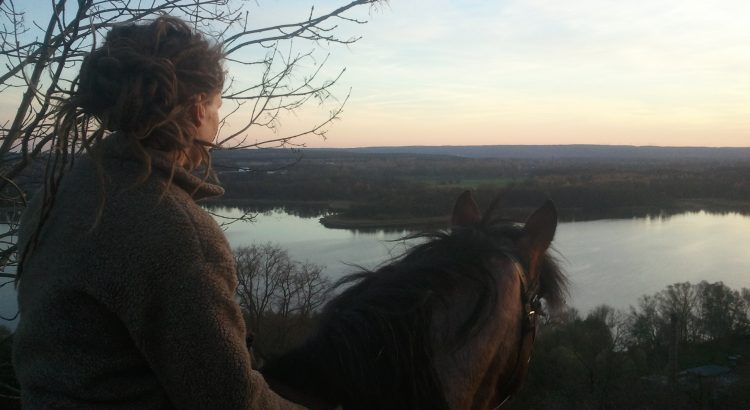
(471, 374)
(351, 376)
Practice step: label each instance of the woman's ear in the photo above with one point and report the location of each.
(198, 110)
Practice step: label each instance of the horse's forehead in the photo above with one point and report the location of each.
(506, 267)
(507, 273)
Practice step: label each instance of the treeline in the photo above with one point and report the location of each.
(398, 186)
(643, 358)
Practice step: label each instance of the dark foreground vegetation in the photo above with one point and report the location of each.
(396, 189)
(686, 347)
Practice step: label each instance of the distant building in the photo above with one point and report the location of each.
(718, 376)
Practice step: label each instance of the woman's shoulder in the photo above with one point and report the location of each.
(117, 210)
(160, 214)
(146, 235)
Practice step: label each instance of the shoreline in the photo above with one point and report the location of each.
(339, 220)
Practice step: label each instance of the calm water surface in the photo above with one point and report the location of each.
(608, 261)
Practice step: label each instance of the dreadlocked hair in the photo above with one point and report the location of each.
(142, 82)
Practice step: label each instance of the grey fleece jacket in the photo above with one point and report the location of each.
(138, 311)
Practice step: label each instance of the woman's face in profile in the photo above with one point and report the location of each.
(208, 115)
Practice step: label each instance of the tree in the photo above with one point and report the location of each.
(615, 321)
(721, 310)
(279, 296)
(680, 300)
(645, 326)
(41, 58)
(578, 363)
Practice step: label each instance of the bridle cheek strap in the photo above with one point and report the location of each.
(525, 352)
(531, 306)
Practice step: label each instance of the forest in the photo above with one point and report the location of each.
(684, 347)
(381, 190)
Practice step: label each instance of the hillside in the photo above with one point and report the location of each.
(590, 152)
(397, 186)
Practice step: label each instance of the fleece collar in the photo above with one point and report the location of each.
(118, 145)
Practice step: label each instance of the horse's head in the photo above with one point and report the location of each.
(530, 242)
(449, 325)
(496, 308)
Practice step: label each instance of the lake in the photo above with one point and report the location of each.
(612, 261)
(608, 261)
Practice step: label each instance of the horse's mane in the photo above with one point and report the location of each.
(373, 343)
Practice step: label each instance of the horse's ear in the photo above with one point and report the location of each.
(466, 211)
(541, 225)
(538, 234)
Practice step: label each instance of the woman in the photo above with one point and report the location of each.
(126, 287)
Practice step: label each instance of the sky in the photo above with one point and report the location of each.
(439, 72)
(641, 72)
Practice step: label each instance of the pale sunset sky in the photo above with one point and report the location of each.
(439, 72)
(639, 72)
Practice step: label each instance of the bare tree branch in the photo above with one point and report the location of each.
(277, 292)
(41, 57)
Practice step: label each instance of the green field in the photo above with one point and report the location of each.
(438, 181)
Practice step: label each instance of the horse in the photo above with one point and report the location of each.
(448, 325)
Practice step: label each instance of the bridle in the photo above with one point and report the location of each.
(531, 308)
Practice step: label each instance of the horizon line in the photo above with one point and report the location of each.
(521, 145)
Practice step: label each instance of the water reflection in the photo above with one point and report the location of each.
(612, 261)
(299, 210)
(648, 213)
(8, 308)
(617, 261)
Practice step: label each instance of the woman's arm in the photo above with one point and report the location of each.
(182, 315)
